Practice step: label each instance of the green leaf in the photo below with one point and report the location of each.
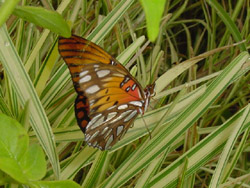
(11, 167)
(6, 10)
(153, 10)
(44, 18)
(33, 163)
(13, 144)
(13, 138)
(17, 160)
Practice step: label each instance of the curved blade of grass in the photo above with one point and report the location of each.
(78, 162)
(232, 164)
(151, 170)
(95, 171)
(45, 69)
(217, 176)
(25, 91)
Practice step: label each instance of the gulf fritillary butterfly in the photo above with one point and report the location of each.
(109, 97)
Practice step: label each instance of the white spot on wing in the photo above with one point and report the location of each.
(119, 129)
(92, 89)
(94, 135)
(104, 130)
(87, 136)
(126, 79)
(92, 102)
(93, 120)
(127, 89)
(107, 134)
(136, 103)
(146, 104)
(102, 73)
(111, 115)
(110, 108)
(109, 142)
(83, 73)
(96, 123)
(122, 107)
(133, 87)
(94, 144)
(130, 116)
(121, 116)
(85, 79)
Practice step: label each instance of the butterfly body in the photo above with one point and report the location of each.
(109, 98)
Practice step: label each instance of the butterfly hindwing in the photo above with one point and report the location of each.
(106, 128)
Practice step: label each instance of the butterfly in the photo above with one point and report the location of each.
(109, 98)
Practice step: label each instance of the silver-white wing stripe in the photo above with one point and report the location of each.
(130, 116)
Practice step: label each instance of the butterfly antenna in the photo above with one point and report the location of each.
(150, 136)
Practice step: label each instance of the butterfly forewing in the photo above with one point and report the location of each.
(109, 98)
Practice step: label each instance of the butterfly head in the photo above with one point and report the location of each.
(149, 92)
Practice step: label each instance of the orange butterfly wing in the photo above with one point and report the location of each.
(109, 98)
